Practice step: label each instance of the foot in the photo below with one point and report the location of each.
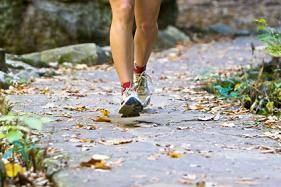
(131, 106)
(142, 89)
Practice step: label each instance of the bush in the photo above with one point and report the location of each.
(271, 37)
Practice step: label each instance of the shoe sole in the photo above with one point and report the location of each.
(146, 100)
(131, 108)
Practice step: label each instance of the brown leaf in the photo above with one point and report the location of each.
(102, 119)
(196, 107)
(76, 108)
(86, 140)
(88, 127)
(97, 162)
(201, 184)
(116, 141)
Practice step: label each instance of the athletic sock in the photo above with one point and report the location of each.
(126, 85)
(139, 70)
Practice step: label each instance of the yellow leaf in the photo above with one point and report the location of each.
(237, 86)
(12, 170)
(79, 126)
(270, 106)
(102, 165)
(174, 154)
(96, 163)
(105, 112)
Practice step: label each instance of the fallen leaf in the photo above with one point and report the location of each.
(174, 154)
(105, 112)
(76, 108)
(201, 184)
(116, 141)
(102, 165)
(196, 107)
(88, 127)
(227, 124)
(266, 149)
(97, 162)
(79, 126)
(86, 140)
(12, 170)
(102, 119)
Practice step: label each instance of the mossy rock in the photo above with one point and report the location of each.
(28, 26)
(89, 54)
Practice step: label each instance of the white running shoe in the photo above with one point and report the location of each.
(142, 88)
(131, 106)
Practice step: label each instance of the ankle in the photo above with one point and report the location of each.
(139, 69)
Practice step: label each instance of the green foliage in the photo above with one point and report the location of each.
(15, 136)
(269, 36)
(259, 89)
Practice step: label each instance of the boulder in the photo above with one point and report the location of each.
(33, 25)
(170, 37)
(89, 54)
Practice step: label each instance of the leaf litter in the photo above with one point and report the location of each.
(97, 162)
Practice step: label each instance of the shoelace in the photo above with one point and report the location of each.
(142, 78)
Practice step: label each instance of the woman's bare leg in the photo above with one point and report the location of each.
(146, 13)
(121, 38)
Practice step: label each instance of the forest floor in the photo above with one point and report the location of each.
(173, 143)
